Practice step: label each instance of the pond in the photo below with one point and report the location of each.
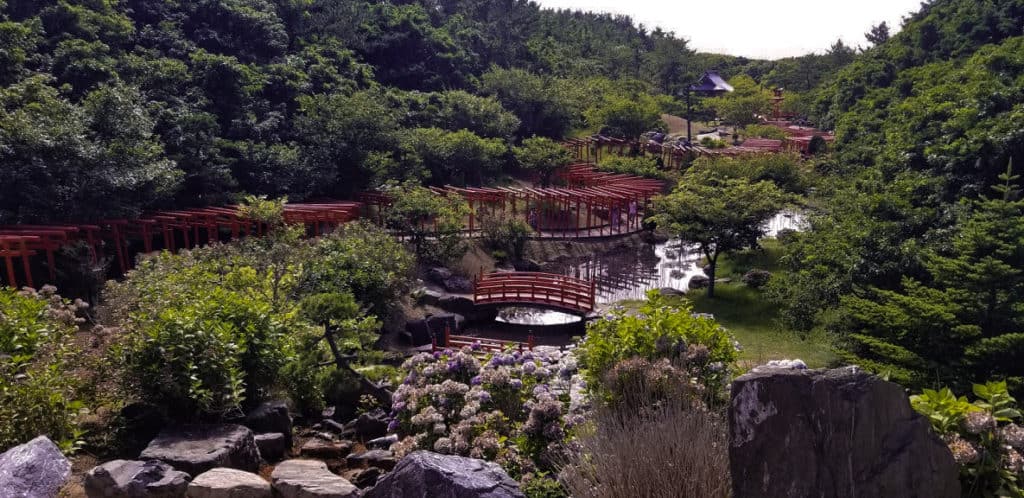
(628, 275)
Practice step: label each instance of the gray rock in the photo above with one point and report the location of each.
(36, 469)
(363, 478)
(272, 446)
(228, 483)
(370, 425)
(372, 458)
(198, 448)
(458, 285)
(699, 282)
(135, 479)
(270, 416)
(326, 449)
(429, 296)
(669, 291)
(837, 433)
(419, 333)
(309, 479)
(438, 275)
(458, 304)
(382, 442)
(527, 265)
(453, 321)
(423, 474)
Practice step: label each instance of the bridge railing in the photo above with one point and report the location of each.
(482, 345)
(535, 288)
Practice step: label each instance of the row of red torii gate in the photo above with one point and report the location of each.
(590, 204)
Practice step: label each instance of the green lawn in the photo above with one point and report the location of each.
(751, 319)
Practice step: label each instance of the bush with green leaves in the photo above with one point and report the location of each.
(202, 330)
(788, 171)
(644, 166)
(756, 278)
(37, 396)
(764, 131)
(660, 330)
(362, 259)
(433, 222)
(983, 436)
(505, 233)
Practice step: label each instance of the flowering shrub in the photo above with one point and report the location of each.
(512, 408)
(658, 331)
(983, 435)
(756, 278)
(36, 395)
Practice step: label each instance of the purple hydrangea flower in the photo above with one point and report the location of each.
(475, 380)
(484, 396)
(516, 383)
(393, 426)
(437, 355)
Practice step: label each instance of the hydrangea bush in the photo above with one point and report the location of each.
(514, 408)
(983, 436)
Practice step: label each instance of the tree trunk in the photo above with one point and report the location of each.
(712, 268)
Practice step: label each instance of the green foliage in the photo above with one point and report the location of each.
(957, 321)
(543, 157)
(787, 171)
(644, 166)
(764, 131)
(543, 487)
(458, 110)
(982, 435)
(718, 213)
(433, 222)
(362, 259)
(36, 352)
(626, 116)
(505, 233)
(659, 330)
(450, 157)
(742, 106)
(542, 107)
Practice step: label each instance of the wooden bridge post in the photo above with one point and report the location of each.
(593, 293)
(530, 341)
(447, 334)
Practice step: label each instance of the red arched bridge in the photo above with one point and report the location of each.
(535, 288)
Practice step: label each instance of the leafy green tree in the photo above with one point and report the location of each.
(433, 222)
(458, 157)
(742, 106)
(627, 116)
(542, 109)
(878, 34)
(543, 157)
(720, 215)
(960, 321)
(458, 110)
(337, 134)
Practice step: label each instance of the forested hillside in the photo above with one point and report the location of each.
(916, 260)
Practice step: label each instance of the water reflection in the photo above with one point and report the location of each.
(627, 275)
(521, 315)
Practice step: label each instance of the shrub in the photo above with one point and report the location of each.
(640, 166)
(659, 330)
(505, 233)
(764, 131)
(756, 278)
(983, 435)
(433, 222)
(630, 454)
(712, 143)
(788, 171)
(817, 145)
(37, 396)
(362, 259)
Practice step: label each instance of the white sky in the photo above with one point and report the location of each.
(766, 29)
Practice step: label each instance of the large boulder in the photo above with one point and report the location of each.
(372, 458)
(423, 474)
(135, 479)
(36, 469)
(309, 479)
(452, 321)
(228, 483)
(198, 448)
(439, 274)
(458, 284)
(699, 282)
(272, 446)
(370, 425)
(832, 433)
(270, 416)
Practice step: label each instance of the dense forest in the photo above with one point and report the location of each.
(909, 261)
(111, 107)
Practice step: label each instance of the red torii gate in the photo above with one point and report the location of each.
(24, 241)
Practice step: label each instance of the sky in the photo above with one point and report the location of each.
(764, 29)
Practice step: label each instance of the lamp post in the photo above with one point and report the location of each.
(710, 83)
